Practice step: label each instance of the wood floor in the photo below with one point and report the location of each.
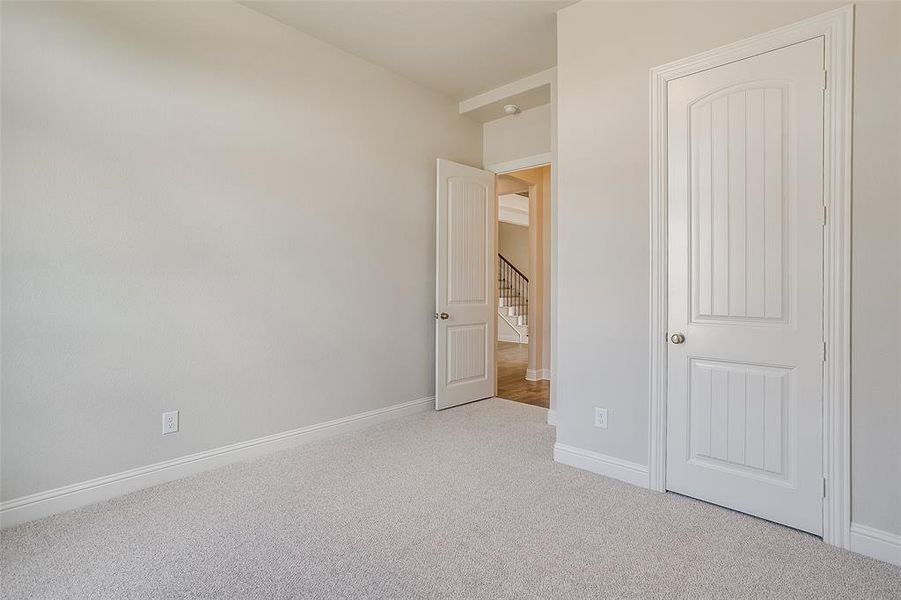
(512, 361)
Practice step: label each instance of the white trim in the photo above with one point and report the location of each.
(552, 417)
(513, 339)
(602, 464)
(528, 162)
(513, 217)
(42, 504)
(876, 543)
(520, 336)
(837, 27)
(538, 374)
(530, 82)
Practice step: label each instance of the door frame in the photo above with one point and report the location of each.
(521, 164)
(837, 27)
(510, 168)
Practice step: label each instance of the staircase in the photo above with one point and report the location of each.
(513, 301)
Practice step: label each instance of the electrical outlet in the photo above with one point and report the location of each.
(170, 422)
(600, 417)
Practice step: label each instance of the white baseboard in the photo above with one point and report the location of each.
(552, 417)
(876, 543)
(538, 374)
(42, 504)
(602, 465)
(511, 337)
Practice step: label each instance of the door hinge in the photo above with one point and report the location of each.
(825, 79)
(824, 351)
(824, 487)
(825, 212)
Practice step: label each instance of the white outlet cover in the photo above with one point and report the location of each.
(600, 417)
(170, 422)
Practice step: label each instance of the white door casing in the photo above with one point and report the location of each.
(746, 217)
(466, 304)
(836, 27)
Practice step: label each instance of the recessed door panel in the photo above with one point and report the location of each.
(741, 199)
(466, 237)
(467, 350)
(740, 419)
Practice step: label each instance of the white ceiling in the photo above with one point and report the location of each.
(459, 48)
(514, 209)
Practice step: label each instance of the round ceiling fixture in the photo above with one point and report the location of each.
(511, 109)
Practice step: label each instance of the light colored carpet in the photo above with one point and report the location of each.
(465, 503)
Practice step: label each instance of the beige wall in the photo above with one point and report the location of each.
(513, 243)
(528, 134)
(517, 136)
(202, 208)
(539, 180)
(876, 269)
(602, 238)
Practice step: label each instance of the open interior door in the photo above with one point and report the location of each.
(466, 305)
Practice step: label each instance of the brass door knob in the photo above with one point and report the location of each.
(443, 316)
(677, 338)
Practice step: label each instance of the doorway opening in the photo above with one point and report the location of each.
(522, 344)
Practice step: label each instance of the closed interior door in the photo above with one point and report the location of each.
(746, 216)
(465, 306)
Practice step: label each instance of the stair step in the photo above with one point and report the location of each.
(519, 321)
(514, 304)
(511, 302)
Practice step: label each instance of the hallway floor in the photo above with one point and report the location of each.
(512, 361)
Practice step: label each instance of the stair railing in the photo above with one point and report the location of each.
(514, 286)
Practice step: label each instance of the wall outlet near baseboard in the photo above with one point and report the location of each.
(170, 422)
(600, 417)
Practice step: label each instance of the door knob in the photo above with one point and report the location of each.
(443, 316)
(677, 338)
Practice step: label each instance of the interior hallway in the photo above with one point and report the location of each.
(461, 503)
(512, 362)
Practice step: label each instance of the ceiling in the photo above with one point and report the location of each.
(513, 209)
(459, 48)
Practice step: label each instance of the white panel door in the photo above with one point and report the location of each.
(465, 308)
(745, 201)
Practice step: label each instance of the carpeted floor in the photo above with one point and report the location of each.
(465, 503)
